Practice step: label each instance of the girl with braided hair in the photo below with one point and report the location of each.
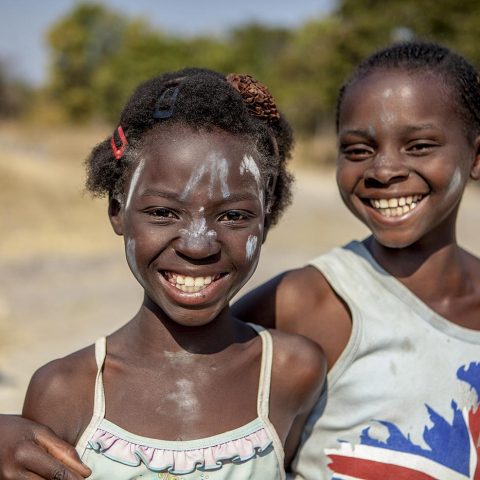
(195, 174)
(397, 314)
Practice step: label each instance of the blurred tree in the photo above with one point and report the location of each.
(99, 56)
(14, 95)
(80, 43)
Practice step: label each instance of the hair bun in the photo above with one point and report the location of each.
(259, 101)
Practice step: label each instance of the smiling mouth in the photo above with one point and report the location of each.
(190, 284)
(395, 207)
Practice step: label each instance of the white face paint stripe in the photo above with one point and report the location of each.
(195, 177)
(218, 168)
(455, 182)
(222, 171)
(249, 165)
(134, 181)
(251, 246)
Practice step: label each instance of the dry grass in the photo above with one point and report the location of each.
(44, 208)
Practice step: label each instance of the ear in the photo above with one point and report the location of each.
(115, 213)
(475, 170)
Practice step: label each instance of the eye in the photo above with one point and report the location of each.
(233, 216)
(357, 151)
(421, 147)
(161, 213)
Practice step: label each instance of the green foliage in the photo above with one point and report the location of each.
(98, 56)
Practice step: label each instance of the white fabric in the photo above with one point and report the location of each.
(388, 402)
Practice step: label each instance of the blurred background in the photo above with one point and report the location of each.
(66, 69)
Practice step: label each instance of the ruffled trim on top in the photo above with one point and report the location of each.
(182, 458)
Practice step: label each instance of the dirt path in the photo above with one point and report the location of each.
(55, 304)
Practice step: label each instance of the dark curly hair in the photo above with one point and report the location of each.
(457, 74)
(203, 100)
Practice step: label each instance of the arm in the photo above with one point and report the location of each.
(56, 398)
(259, 305)
(301, 302)
(298, 377)
(27, 448)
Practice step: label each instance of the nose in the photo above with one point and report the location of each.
(386, 168)
(197, 244)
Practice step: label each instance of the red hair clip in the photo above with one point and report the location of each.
(118, 151)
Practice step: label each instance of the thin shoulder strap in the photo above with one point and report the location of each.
(263, 399)
(99, 398)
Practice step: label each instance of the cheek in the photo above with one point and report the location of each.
(131, 254)
(251, 247)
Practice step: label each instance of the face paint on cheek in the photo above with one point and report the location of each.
(131, 259)
(455, 183)
(251, 246)
(134, 181)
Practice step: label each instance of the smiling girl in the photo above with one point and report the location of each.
(398, 313)
(195, 174)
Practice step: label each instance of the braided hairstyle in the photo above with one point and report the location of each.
(458, 75)
(203, 100)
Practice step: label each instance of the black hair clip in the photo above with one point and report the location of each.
(166, 102)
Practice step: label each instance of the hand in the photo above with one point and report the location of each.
(29, 451)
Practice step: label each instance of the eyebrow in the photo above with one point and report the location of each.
(359, 132)
(236, 197)
(366, 133)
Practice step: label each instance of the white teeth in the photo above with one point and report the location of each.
(395, 207)
(189, 284)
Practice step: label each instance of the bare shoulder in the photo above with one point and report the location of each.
(60, 394)
(299, 366)
(298, 374)
(307, 305)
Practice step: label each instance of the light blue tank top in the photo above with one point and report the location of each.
(251, 452)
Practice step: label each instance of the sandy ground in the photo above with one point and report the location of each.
(55, 303)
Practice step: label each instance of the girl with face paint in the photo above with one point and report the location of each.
(195, 175)
(397, 314)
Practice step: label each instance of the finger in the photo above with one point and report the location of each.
(39, 464)
(62, 451)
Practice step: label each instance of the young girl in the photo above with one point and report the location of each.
(397, 314)
(195, 173)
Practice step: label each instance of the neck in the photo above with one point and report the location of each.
(431, 269)
(155, 331)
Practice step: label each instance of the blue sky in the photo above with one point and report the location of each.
(23, 23)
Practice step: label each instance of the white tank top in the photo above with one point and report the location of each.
(402, 400)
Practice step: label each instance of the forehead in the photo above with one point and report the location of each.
(418, 97)
(179, 156)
